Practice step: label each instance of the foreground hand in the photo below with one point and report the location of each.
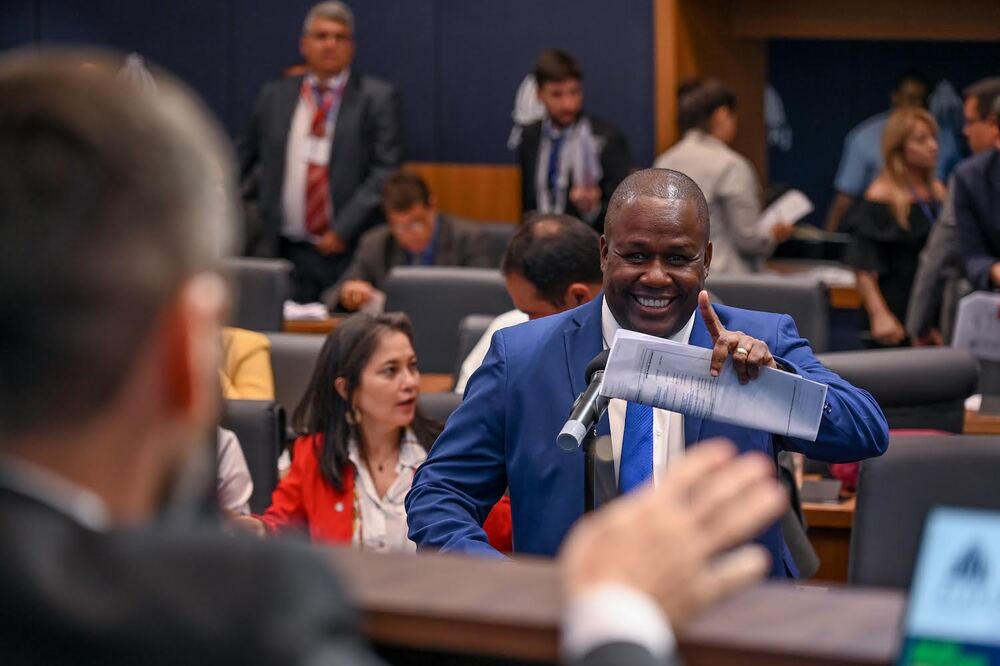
(246, 525)
(782, 231)
(356, 293)
(886, 329)
(749, 354)
(330, 243)
(932, 338)
(995, 274)
(671, 541)
(586, 198)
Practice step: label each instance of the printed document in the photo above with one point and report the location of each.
(673, 376)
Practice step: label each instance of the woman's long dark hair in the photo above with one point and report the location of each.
(323, 411)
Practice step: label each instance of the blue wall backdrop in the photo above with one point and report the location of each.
(828, 87)
(457, 63)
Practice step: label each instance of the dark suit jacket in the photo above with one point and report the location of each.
(615, 163)
(73, 596)
(459, 243)
(367, 146)
(977, 215)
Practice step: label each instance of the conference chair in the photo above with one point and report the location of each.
(897, 490)
(293, 358)
(496, 237)
(436, 298)
(438, 406)
(260, 427)
(921, 388)
(804, 299)
(260, 288)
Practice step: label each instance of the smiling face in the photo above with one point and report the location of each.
(388, 386)
(655, 256)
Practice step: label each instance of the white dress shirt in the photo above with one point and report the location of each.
(382, 527)
(478, 353)
(233, 482)
(668, 427)
(302, 148)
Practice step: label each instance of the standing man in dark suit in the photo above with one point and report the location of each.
(977, 213)
(320, 147)
(416, 235)
(114, 211)
(571, 162)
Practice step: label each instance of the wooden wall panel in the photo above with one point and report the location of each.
(665, 73)
(706, 47)
(867, 19)
(484, 192)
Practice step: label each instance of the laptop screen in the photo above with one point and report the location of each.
(954, 610)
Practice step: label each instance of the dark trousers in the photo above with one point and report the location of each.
(314, 271)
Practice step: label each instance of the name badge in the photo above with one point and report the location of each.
(318, 150)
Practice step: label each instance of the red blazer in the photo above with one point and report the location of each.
(304, 500)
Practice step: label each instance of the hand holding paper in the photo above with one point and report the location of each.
(679, 378)
(749, 354)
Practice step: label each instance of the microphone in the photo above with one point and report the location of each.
(588, 408)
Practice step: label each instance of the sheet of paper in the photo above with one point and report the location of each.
(977, 325)
(672, 376)
(789, 208)
(304, 311)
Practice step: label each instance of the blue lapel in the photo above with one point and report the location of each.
(582, 341)
(699, 338)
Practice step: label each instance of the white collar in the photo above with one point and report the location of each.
(610, 326)
(411, 454)
(331, 83)
(54, 491)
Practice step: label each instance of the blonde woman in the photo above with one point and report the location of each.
(891, 224)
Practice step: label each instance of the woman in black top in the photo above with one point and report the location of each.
(891, 224)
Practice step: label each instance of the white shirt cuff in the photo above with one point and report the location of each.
(614, 613)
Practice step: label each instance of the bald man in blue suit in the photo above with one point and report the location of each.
(655, 255)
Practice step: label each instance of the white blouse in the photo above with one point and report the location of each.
(382, 527)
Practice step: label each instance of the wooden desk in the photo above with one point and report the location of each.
(458, 605)
(830, 535)
(312, 326)
(432, 382)
(981, 424)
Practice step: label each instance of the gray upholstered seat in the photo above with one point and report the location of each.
(917, 387)
(436, 298)
(293, 358)
(804, 299)
(896, 492)
(438, 406)
(260, 427)
(260, 287)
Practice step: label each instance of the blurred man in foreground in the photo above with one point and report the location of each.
(114, 211)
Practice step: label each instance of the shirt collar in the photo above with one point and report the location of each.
(54, 491)
(334, 83)
(610, 326)
(411, 454)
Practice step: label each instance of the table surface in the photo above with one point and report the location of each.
(513, 609)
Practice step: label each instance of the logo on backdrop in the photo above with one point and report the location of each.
(779, 133)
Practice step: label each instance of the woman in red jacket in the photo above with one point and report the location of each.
(364, 439)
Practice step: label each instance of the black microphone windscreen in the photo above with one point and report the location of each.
(597, 364)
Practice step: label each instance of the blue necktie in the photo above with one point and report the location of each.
(555, 144)
(636, 466)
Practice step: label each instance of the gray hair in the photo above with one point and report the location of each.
(332, 10)
(108, 206)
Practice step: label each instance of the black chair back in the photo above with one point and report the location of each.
(260, 427)
(293, 358)
(260, 288)
(804, 299)
(897, 490)
(436, 298)
(916, 387)
(470, 330)
(438, 406)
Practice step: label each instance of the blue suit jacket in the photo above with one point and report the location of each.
(977, 215)
(504, 432)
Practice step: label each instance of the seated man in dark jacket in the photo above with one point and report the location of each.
(417, 235)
